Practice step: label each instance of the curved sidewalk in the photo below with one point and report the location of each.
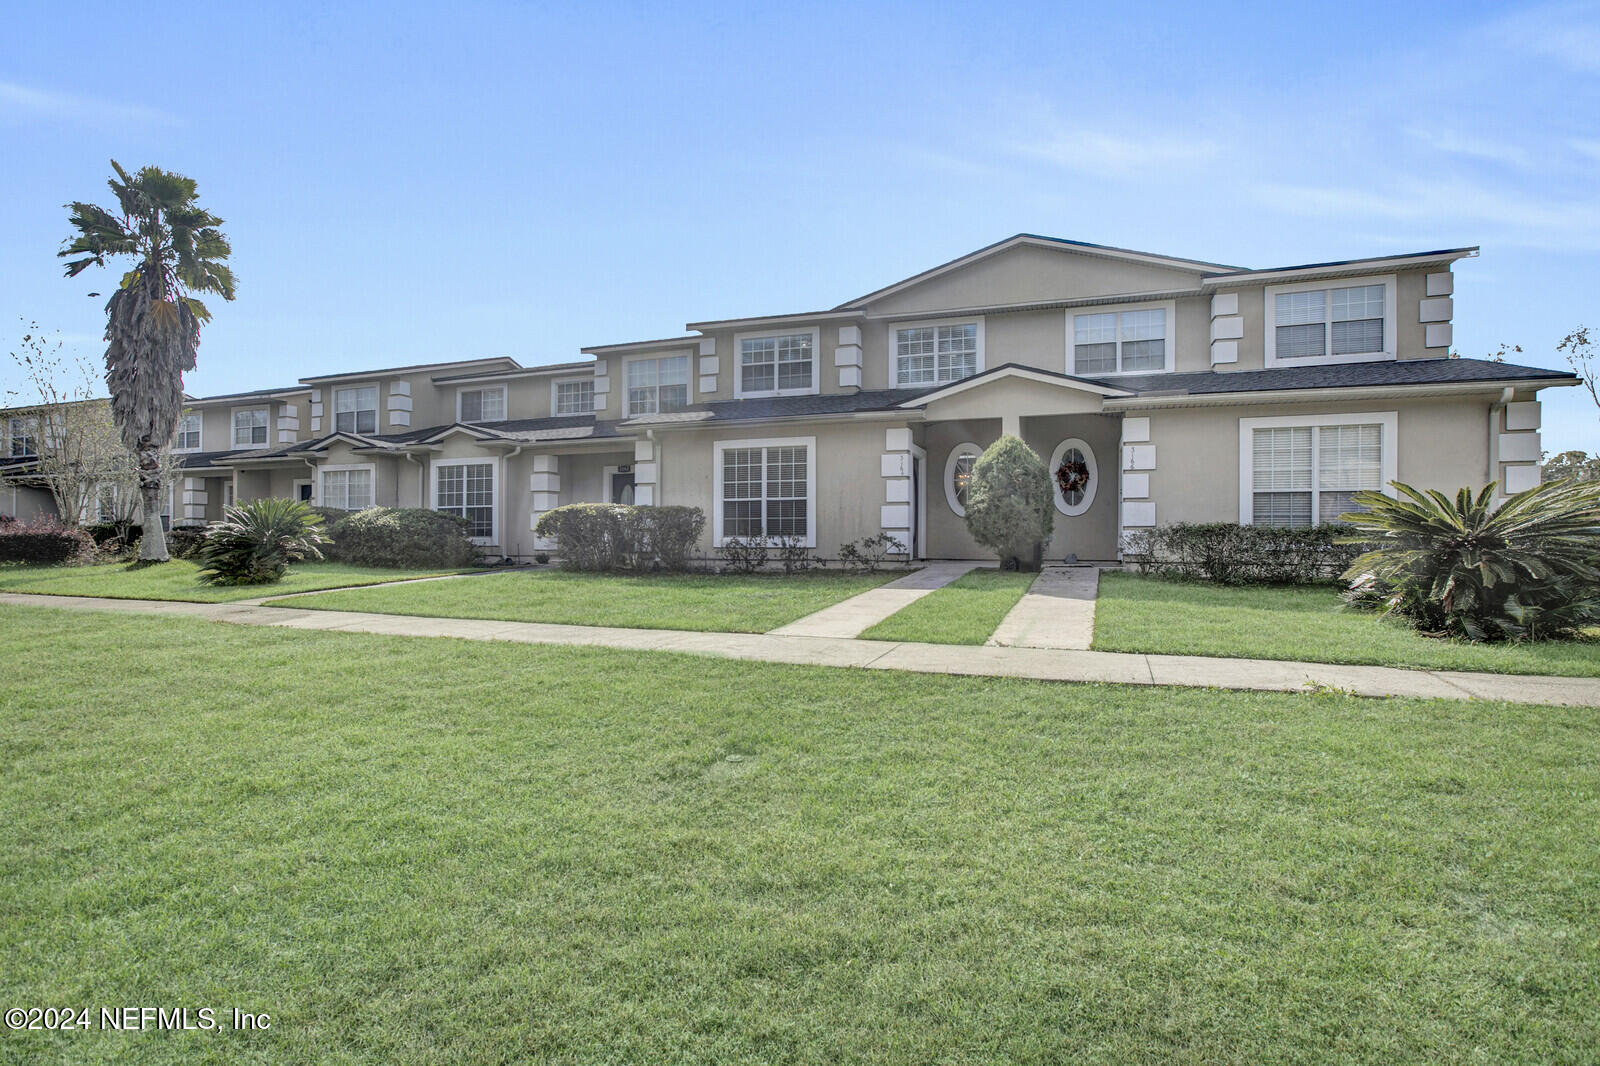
(1035, 663)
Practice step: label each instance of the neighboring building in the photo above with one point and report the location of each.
(1182, 390)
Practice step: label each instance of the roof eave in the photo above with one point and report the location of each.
(1332, 394)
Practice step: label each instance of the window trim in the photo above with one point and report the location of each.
(950, 474)
(377, 407)
(317, 495)
(894, 350)
(1169, 366)
(1089, 493)
(200, 447)
(627, 402)
(27, 434)
(555, 393)
(233, 428)
(1389, 456)
(493, 461)
(505, 402)
(741, 393)
(718, 539)
(1391, 321)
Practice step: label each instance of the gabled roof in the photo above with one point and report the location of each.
(506, 375)
(502, 361)
(1024, 373)
(1342, 267)
(1104, 250)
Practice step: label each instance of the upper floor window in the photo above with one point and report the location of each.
(1329, 324)
(355, 410)
(1121, 342)
(487, 404)
(575, 397)
(187, 438)
(779, 365)
(22, 436)
(656, 386)
(250, 427)
(937, 354)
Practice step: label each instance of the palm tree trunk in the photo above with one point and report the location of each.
(153, 544)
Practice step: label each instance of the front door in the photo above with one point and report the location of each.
(621, 488)
(302, 491)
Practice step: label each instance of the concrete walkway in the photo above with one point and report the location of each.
(852, 617)
(1036, 663)
(1057, 611)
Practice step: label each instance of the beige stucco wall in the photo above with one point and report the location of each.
(25, 503)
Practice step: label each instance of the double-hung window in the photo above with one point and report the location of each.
(574, 397)
(766, 489)
(1329, 323)
(355, 410)
(1122, 342)
(1307, 472)
(779, 365)
(250, 427)
(466, 490)
(487, 404)
(937, 354)
(22, 436)
(657, 386)
(187, 439)
(347, 488)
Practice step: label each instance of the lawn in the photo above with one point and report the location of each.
(1147, 614)
(422, 850)
(729, 603)
(179, 580)
(966, 611)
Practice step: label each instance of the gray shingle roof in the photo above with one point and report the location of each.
(1338, 376)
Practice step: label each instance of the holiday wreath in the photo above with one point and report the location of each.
(1072, 475)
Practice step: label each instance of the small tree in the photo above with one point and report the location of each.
(1571, 466)
(1009, 500)
(1579, 349)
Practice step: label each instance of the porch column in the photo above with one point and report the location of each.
(1137, 466)
(646, 465)
(895, 465)
(1011, 425)
(545, 486)
(194, 499)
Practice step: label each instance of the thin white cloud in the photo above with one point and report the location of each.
(1119, 150)
(20, 101)
(1566, 33)
(1481, 148)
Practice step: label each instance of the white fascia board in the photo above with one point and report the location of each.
(987, 378)
(1231, 399)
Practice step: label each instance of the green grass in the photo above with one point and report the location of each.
(966, 611)
(729, 603)
(178, 580)
(1147, 614)
(420, 851)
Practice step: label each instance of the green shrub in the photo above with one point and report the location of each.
(255, 542)
(1229, 554)
(1461, 567)
(794, 555)
(745, 556)
(1010, 502)
(124, 531)
(43, 540)
(667, 535)
(867, 553)
(402, 538)
(183, 542)
(614, 536)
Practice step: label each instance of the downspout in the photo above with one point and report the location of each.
(311, 468)
(1494, 438)
(505, 494)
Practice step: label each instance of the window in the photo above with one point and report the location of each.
(356, 410)
(250, 428)
(1073, 462)
(347, 488)
(766, 489)
(937, 354)
(22, 436)
(1121, 342)
(1327, 324)
(466, 489)
(656, 386)
(487, 404)
(187, 439)
(105, 503)
(227, 494)
(777, 365)
(958, 475)
(574, 397)
(1298, 472)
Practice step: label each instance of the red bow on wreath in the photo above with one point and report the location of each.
(1072, 476)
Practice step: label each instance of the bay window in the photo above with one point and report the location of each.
(779, 365)
(766, 489)
(937, 353)
(657, 386)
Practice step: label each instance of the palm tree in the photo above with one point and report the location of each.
(153, 323)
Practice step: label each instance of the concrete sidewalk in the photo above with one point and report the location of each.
(852, 617)
(1035, 663)
(1057, 611)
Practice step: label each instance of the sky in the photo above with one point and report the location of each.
(408, 183)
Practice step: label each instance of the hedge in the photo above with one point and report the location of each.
(43, 541)
(609, 536)
(1230, 554)
(401, 538)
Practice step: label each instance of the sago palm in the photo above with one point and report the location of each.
(152, 319)
(1525, 569)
